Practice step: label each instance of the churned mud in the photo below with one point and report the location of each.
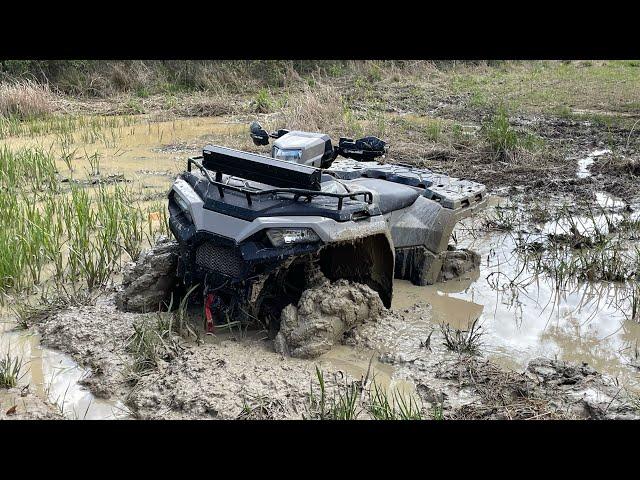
(225, 377)
(225, 380)
(95, 336)
(469, 386)
(323, 314)
(147, 282)
(216, 378)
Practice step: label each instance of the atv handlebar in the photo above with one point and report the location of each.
(362, 149)
(297, 192)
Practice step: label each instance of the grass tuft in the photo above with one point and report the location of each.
(349, 400)
(151, 343)
(10, 370)
(463, 341)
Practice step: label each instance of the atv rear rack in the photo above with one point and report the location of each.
(297, 192)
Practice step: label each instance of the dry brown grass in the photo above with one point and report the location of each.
(502, 394)
(204, 105)
(25, 100)
(317, 109)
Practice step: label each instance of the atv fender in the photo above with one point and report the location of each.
(369, 260)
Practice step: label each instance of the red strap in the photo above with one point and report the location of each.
(210, 326)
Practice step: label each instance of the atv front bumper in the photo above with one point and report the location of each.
(218, 260)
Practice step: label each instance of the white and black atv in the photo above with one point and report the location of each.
(250, 225)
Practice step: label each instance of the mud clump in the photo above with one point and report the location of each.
(323, 315)
(148, 282)
(458, 262)
(581, 390)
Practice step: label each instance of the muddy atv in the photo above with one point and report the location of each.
(250, 226)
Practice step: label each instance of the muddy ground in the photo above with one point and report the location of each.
(236, 375)
(228, 377)
(20, 403)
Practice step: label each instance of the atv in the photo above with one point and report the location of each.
(250, 226)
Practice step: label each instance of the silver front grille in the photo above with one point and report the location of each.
(221, 259)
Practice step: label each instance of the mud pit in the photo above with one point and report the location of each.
(227, 377)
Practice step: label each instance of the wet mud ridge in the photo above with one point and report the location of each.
(95, 336)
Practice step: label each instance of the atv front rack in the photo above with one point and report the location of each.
(296, 192)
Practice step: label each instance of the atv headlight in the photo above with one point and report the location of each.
(290, 155)
(288, 236)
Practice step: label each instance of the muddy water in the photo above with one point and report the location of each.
(525, 316)
(148, 154)
(55, 378)
(585, 163)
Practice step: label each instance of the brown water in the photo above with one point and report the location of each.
(585, 322)
(521, 320)
(55, 377)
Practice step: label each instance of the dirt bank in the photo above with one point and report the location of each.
(21, 403)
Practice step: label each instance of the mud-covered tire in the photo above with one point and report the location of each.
(274, 328)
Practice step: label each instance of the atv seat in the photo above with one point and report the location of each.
(389, 196)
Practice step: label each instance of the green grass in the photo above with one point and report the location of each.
(504, 141)
(74, 236)
(263, 101)
(351, 400)
(550, 86)
(151, 342)
(466, 341)
(90, 127)
(383, 405)
(10, 370)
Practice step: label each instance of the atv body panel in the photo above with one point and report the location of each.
(363, 221)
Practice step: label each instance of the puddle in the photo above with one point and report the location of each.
(584, 164)
(605, 200)
(54, 377)
(148, 154)
(524, 316)
(355, 362)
